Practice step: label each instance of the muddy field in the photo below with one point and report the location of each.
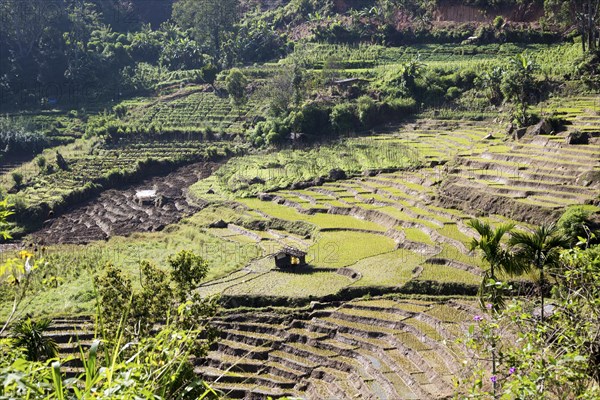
(117, 212)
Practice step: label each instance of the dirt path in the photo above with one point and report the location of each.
(115, 212)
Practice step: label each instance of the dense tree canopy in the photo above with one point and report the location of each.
(208, 20)
(73, 52)
(582, 14)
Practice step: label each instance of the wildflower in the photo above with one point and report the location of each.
(478, 318)
(493, 379)
(488, 306)
(24, 254)
(512, 370)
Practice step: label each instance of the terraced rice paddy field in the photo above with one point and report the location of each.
(382, 348)
(395, 227)
(363, 58)
(401, 349)
(89, 163)
(194, 109)
(392, 230)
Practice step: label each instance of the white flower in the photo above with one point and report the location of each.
(28, 266)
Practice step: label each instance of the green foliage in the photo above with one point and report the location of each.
(575, 222)
(399, 108)
(208, 20)
(187, 271)
(519, 86)
(156, 367)
(312, 120)
(146, 306)
(498, 22)
(41, 163)
(156, 300)
(142, 77)
(236, 83)
(17, 136)
(17, 178)
(29, 335)
(554, 357)
(343, 118)
(540, 249)
(270, 132)
(282, 91)
(5, 213)
(402, 81)
(254, 40)
(498, 259)
(15, 276)
(367, 110)
(115, 293)
(490, 83)
(588, 69)
(583, 14)
(183, 53)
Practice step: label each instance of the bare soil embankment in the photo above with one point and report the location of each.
(116, 212)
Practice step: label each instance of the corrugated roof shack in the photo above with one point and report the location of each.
(349, 82)
(350, 87)
(289, 257)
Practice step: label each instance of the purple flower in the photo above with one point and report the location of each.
(493, 379)
(488, 306)
(478, 318)
(512, 370)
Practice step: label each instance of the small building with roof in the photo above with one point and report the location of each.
(289, 257)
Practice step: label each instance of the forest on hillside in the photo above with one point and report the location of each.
(66, 52)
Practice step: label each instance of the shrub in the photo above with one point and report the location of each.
(270, 132)
(575, 222)
(120, 110)
(155, 367)
(187, 271)
(312, 120)
(399, 108)
(5, 213)
(236, 86)
(61, 162)
(255, 41)
(343, 118)
(498, 22)
(367, 111)
(41, 162)
(17, 178)
(452, 93)
(156, 299)
(29, 335)
(17, 137)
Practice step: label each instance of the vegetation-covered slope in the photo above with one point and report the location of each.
(368, 134)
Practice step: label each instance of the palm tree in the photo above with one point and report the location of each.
(540, 249)
(29, 335)
(498, 258)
